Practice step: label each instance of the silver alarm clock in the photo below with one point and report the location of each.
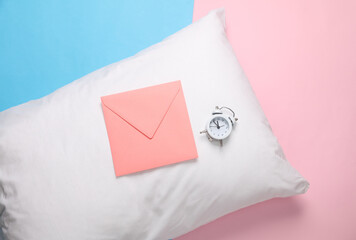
(220, 124)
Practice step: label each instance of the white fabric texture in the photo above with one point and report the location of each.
(57, 179)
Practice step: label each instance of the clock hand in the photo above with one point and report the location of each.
(218, 124)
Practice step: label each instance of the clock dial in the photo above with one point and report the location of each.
(219, 128)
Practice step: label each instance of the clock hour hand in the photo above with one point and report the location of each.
(217, 124)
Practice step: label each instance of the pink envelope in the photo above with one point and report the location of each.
(148, 128)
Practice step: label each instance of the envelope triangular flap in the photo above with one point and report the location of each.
(145, 108)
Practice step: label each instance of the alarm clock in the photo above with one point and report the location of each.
(220, 124)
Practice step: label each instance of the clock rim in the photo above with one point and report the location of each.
(215, 116)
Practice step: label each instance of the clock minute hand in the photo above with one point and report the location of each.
(218, 124)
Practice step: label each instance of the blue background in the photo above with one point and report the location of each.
(45, 44)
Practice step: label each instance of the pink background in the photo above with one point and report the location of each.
(300, 57)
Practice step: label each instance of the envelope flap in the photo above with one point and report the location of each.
(145, 108)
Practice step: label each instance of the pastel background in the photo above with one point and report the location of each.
(300, 57)
(47, 44)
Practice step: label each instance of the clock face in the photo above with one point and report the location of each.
(219, 127)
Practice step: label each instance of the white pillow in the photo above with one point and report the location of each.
(57, 179)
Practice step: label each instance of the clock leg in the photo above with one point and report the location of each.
(221, 143)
